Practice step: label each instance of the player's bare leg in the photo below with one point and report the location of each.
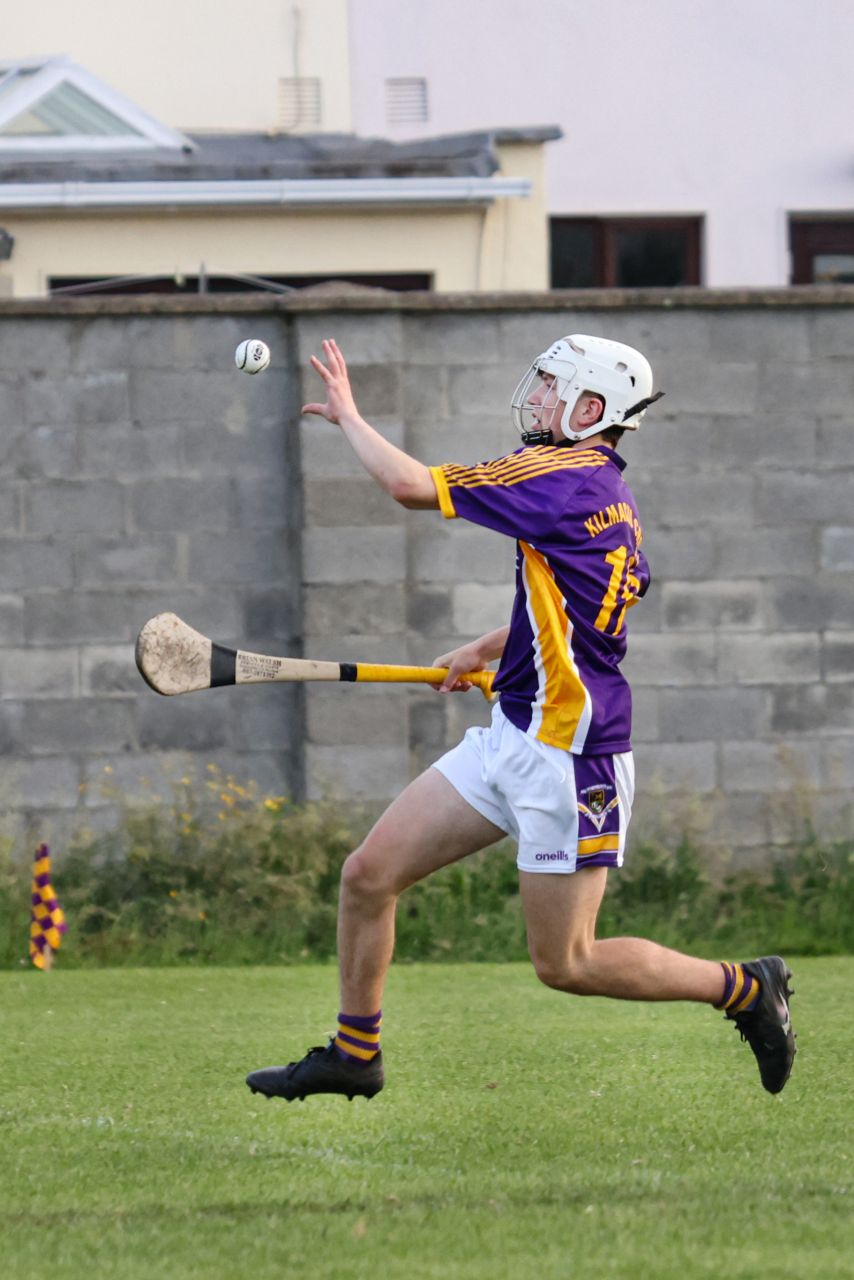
(427, 827)
(560, 913)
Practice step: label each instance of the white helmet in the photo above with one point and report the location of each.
(579, 363)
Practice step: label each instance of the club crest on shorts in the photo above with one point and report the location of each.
(596, 806)
(595, 799)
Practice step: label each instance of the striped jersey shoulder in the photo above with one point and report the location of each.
(573, 457)
(527, 464)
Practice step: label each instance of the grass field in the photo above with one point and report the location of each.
(521, 1133)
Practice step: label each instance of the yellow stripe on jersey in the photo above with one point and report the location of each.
(507, 481)
(493, 474)
(537, 460)
(564, 697)
(523, 457)
(552, 458)
(549, 451)
(446, 505)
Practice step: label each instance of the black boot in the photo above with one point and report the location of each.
(767, 1027)
(322, 1070)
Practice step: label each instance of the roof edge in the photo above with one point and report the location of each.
(275, 192)
(531, 134)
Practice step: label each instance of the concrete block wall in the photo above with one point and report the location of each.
(140, 472)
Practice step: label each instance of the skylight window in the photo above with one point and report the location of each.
(11, 77)
(66, 112)
(53, 104)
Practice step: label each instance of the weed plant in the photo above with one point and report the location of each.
(220, 874)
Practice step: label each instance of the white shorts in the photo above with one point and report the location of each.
(565, 811)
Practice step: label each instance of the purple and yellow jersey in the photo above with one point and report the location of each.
(579, 568)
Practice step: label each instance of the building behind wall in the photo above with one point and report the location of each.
(236, 167)
(701, 144)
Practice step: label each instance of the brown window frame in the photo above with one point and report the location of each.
(605, 231)
(808, 237)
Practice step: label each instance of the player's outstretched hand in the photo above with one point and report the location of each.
(339, 401)
(458, 661)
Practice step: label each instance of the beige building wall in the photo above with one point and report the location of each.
(468, 249)
(198, 64)
(515, 251)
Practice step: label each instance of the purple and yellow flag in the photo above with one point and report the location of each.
(47, 923)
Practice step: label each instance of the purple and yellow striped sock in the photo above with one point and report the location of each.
(741, 991)
(358, 1038)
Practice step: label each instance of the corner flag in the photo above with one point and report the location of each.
(47, 923)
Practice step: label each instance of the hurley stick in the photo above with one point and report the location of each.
(174, 658)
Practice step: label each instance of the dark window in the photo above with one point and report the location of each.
(575, 254)
(822, 250)
(400, 282)
(626, 253)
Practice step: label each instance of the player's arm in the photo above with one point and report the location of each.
(473, 656)
(408, 481)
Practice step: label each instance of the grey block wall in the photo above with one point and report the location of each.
(140, 472)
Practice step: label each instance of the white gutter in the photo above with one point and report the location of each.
(260, 193)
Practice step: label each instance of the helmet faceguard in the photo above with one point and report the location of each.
(618, 374)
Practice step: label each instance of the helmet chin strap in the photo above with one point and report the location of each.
(543, 436)
(642, 405)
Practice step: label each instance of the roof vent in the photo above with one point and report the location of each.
(406, 100)
(299, 102)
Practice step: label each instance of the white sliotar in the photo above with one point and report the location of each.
(252, 356)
